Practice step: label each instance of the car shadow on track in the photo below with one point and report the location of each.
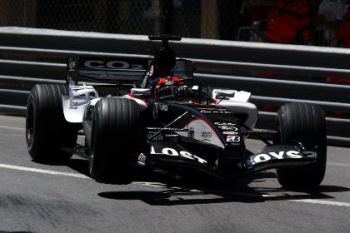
(189, 196)
(201, 190)
(79, 165)
(183, 196)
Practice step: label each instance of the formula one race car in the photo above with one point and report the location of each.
(168, 123)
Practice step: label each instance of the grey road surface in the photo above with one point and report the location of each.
(42, 198)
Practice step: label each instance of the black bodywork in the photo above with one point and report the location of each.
(169, 145)
(169, 142)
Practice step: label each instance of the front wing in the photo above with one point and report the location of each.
(275, 156)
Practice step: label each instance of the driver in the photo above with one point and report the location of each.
(161, 75)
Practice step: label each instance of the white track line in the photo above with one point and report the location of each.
(29, 169)
(314, 201)
(323, 202)
(338, 164)
(12, 128)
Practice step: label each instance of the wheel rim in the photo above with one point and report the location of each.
(91, 164)
(30, 125)
(92, 150)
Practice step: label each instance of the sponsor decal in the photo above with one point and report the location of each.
(230, 132)
(175, 153)
(224, 123)
(233, 138)
(116, 64)
(231, 128)
(207, 134)
(159, 137)
(264, 157)
(215, 111)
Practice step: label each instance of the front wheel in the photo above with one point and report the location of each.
(305, 124)
(117, 137)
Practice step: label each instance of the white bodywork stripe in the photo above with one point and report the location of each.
(202, 132)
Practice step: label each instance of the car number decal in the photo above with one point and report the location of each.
(233, 138)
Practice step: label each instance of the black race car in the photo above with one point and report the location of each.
(168, 123)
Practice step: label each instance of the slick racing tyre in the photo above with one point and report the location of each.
(117, 137)
(304, 123)
(47, 131)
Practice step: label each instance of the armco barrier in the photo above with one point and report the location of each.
(29, 56)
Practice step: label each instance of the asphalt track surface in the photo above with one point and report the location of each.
(42, 198)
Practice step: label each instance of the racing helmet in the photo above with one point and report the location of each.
(167, 86)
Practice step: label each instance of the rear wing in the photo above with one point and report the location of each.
(114, 70)
(118, 70)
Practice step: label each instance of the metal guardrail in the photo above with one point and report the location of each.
(29, 56)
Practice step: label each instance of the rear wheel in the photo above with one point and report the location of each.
(47, 131)
(304, 123)
(116, 141)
